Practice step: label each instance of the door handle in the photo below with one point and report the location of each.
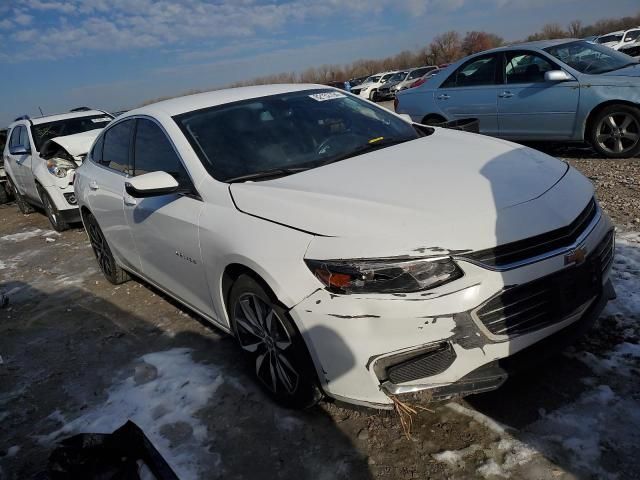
(129, 200)
(444, 96)
(93, 185)
(506, 94)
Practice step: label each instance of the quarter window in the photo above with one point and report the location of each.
(115, 153)
(476, 72)
(153, 152)
(524, 67)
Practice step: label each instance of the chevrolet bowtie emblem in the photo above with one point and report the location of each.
(577, 256)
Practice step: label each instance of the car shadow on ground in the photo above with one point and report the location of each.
(73, 359)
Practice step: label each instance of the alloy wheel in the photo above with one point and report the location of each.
(261, 332)
(618, 133)
(100, 248)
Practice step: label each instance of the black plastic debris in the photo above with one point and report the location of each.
(464, 124)
(121, 455)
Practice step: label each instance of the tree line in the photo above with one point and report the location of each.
(444, 48)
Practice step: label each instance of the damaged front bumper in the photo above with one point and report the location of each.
(435, 344)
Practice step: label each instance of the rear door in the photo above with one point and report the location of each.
(111, 168)
(165, 227)
(529, 106)
(471, 92)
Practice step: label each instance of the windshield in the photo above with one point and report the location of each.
(610, 38)
(418, 73)
(590, 58)
(372, 79)
(70, 126)
(292, 131)
(398, 77)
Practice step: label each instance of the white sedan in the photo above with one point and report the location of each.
(350, 252)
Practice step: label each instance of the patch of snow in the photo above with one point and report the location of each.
(19, 237)
(482, 419)
(491, 469)
(626, 275)
(161, 398)
(455, 458)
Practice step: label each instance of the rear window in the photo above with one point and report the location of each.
(70, 126)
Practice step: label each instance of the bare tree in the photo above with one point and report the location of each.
(446, 48)
(575, 29)
(475, 42)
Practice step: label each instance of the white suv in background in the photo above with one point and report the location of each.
(370, 86)
(619, 39)
(41, 156)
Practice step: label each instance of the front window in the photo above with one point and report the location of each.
(526, 67)
(372, 79)
(398, 77)
(616, 37)
(589, 58)
(419, 73)
(385, 78)
(70, 126)
(632, 35)
(289, 132)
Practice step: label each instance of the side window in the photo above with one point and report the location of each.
(24, 138)
(476, 72)
(153, 152)
(117, 140)
(526, 67)
(14, 141)
(96, 152)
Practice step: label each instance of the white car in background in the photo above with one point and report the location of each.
(350, 252)
(619, 39)
(41, 156)
(370, 86)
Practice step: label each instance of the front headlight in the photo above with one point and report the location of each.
(60, 167)
(384, 275)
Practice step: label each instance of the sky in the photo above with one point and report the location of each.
(116, 54)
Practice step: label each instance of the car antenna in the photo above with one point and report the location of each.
(41, 114)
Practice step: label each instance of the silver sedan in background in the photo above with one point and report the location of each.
(560, 90)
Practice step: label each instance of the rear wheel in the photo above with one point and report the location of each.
(24, 206)
(372, 95)
(277, 351)
(56, 220)
(615, 131)
(5, 193)
(111, 270)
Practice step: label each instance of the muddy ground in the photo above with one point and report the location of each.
(78, 353)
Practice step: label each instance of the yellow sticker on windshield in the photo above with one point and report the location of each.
(377, 139)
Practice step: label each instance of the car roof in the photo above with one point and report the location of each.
(56, 117)
(189, 103)
(617, 32)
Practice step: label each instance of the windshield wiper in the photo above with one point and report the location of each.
(265, 174)
(368, 147)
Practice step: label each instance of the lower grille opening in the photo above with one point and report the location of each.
(427, 364)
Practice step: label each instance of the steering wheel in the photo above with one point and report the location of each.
(332, 145)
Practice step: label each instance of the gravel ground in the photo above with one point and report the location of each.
(79, 354)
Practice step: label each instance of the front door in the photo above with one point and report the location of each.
(106, 173)
(529, 106)
(471, 92)
(21, 164)
(165, 227)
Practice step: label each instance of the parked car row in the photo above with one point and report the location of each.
(558, 90)
(351, 252)
(385, 85)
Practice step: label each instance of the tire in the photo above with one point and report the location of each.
(372, 95)
(110, 269)
(268, 337)
(432, 120)
(25, 207)
(5, 194)
(615, 131)
(53, 214)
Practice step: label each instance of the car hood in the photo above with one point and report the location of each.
(448, 187)
(76, 145)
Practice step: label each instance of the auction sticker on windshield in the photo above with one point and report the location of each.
(321, 97)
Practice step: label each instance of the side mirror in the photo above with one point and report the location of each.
(19, 150)
(151, 184)
(557, 76)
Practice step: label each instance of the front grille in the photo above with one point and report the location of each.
(521, 250)
(425, 365)
(548, 300)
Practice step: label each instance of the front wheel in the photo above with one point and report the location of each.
(56, 220)
(615, 132)
(277, 351)
(110, 269)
